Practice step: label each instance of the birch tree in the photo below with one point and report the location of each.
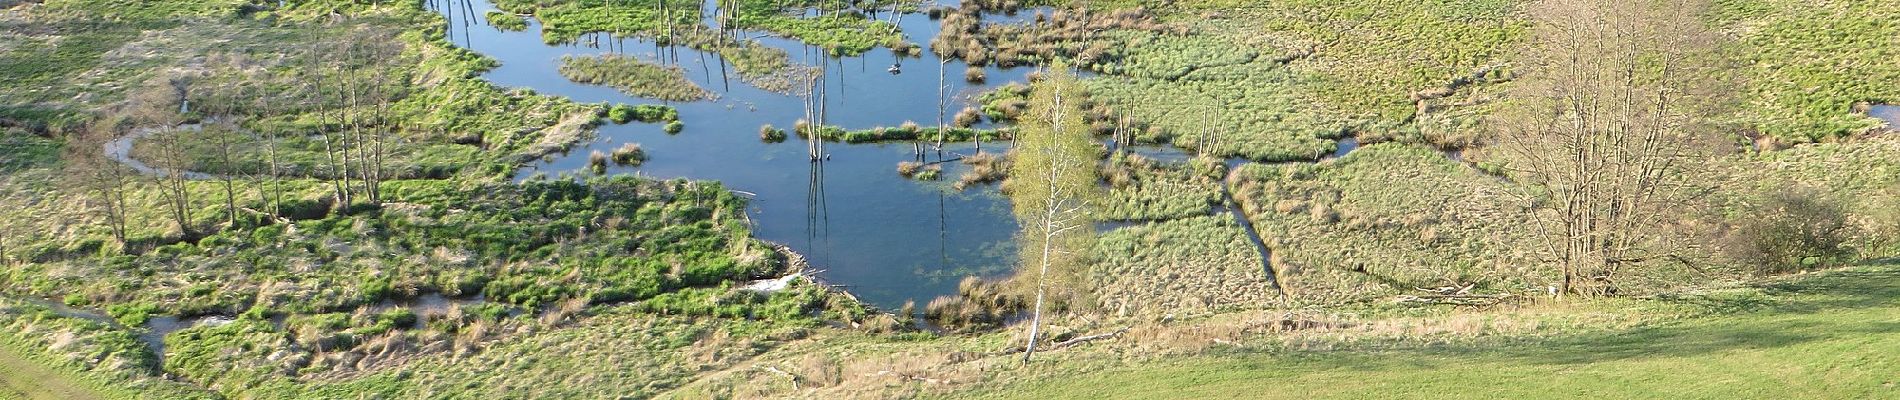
(1612, 113)
(101, 176)
(161, 107)
(1052, 186)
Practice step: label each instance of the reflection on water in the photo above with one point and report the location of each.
(886, 238)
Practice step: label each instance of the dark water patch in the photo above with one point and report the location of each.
(1345, 146)
(1886, 112)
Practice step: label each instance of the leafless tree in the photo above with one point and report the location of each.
(1611, 114)
(101, 176)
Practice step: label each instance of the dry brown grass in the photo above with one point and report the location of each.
(984, 168)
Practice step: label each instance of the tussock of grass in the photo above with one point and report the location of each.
(629, 154)
(985, 168)
(769, 134)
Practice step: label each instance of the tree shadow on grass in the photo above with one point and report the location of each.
(1786, 313)
(1830, 305)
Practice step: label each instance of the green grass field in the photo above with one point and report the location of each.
(1832, 335)
(29, 380)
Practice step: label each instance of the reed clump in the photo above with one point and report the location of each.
(984, 168)
(978, 305)
(769, 134)
(629, 154)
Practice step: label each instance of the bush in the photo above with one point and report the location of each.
(675, 127)
(1791, 230)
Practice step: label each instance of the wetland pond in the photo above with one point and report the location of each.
(885, 238)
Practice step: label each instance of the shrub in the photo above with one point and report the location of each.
(1791, 230)
(675, 127)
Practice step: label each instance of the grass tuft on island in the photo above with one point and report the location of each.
(505, 21)
(902, 134)
(634, 77)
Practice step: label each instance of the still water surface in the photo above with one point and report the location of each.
(886, 238)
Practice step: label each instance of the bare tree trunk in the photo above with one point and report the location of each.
(1607, 124)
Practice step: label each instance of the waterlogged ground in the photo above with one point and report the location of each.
(887, 238)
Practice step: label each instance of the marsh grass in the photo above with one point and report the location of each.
(1145, 190)
(633, 76)
(597, 162)
(908, 168)
(1384, 219)
(769, 134)
(907, 132)
(1191, 265)
(629, 154)
(1068, 34)
(622, 113)
(506, 21)
(985, 168)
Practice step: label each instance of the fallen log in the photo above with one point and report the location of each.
(1086, 339)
